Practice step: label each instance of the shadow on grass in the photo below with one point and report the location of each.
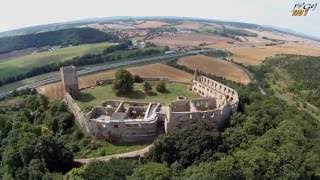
(151, 93)
(85, 97)
(165, 91)
(135, 94)
(141, 143)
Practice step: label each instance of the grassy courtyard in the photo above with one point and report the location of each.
(95, 96)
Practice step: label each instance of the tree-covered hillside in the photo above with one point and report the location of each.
(38, 139)
(294, 79)
(266, 139)
(63, 37)
(33, 137)
(269, 138)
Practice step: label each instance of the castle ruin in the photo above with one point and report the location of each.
(70, 80)
(132, 121)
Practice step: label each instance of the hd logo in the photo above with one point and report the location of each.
(302, 9)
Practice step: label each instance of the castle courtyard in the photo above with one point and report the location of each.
(95, 96)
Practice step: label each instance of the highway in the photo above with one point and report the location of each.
(105, 67)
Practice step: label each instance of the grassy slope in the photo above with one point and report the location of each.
(104, 148)
(89, 147)
(93, 97)
(9, 67)
(280, 82)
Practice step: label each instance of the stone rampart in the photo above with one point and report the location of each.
(139, 121)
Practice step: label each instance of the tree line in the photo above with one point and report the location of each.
(110, 54)
(63, 37)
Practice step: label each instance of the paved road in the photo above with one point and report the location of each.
(128, 155)
(105, 67)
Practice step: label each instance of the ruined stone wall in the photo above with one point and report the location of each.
(209, 88)
(125, 131)
(217, 116)
(224, 104)
(226, 100)
(80, 118)
(112, 130)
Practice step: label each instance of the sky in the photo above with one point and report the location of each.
(21, 13)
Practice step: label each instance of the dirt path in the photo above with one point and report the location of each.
(250, 75)
(128, 155)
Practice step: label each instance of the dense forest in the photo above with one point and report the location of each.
(266, 139)
(38, 139)
(110, 54)
(63, 37)
(32, 138)
(294, 77)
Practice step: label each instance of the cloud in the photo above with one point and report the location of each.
(18, 13)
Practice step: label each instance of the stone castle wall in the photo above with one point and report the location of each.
(221, 102)
(207, 87)
(127, 131)
(217, 116)
(226, 101)
(80, 117)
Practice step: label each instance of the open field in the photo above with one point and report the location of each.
(55, 92)
(275, 35)
(17, 53)
(252, 41)
(217, 67)
(95, 96)
(220, 45)
(150, 24)
(189, 39)
(106, 27)
(256, 55)
(189, 25)
(18, 65)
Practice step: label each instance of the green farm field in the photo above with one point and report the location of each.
(18, 65)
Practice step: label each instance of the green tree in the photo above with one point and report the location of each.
(75, 174)
(161, 86)
(151, 170)
(34, 139)
(36, 169)
(138, 79)
(147, 87)
(123, 82)
(53, 154)
(112, 170)
(192, 144)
